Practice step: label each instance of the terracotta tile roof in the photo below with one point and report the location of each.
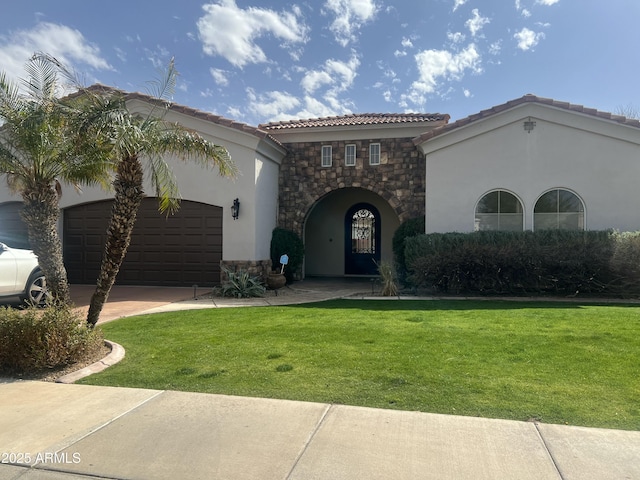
(358, 119)
(210, 117)
(529, 98)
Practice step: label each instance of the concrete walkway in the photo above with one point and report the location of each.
(56, 432)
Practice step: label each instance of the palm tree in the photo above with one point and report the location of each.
(41, 145)
(136, 139)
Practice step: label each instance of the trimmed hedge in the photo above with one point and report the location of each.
(408, 228)
(546, 262)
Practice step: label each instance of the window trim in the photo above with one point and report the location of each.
(346, 155)
(379, 154)
(324, 156)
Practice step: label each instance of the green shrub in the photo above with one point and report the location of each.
(548, 262)
(35, 339)
(241, 284)
(408, 228)
(288, 242)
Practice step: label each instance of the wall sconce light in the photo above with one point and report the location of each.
(529, 125)
(235, 209)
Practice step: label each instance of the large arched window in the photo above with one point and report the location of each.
(558, 209)
(499, 210)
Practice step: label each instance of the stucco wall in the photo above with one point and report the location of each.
(245, 239)
(597, 160)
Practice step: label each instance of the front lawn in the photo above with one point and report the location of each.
(552, 362)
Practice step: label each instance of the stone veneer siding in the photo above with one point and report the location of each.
(256, 268)
(399, 178)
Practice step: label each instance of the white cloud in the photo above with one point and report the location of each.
(400, 53)
(337, 74)
(219, 76)
(458, 3)
(64, 43)
(437, 66)
(547, 2)
(350, 16)
(467, 93)
(271, 104)
(495, 48)
(476, 23)
(528, 39)
(456, 37)
(407, 43)
(231, 32)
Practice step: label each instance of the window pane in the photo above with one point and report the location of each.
(350, 155)
(326, 156)
(509, 203)
(547, 203)
(568, 202)
(511, 222)
(488, 203)
(571, 221)
(374, 154)
(545, 221)
(487, 221)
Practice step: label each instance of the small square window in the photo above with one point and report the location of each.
(326, 156)
(350, 155)
(374, 154)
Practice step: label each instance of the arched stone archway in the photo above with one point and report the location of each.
(399, 179)
(325, 234)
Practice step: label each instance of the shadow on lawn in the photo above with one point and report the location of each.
(387, 304)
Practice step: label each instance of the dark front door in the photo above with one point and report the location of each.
(362, 240)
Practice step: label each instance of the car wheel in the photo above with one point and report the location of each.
(36, 292)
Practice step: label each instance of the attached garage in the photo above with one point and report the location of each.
(13, 231)
(184, 249)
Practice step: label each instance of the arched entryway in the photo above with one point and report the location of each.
(327, 233)
(362, 229)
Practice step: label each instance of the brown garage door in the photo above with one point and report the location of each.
(13, 231)
(182, 250)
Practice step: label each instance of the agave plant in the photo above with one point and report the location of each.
(241, 284)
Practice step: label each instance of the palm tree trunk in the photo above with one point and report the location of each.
(40, 213)
(128, 196)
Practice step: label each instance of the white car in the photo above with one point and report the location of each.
(21, 276)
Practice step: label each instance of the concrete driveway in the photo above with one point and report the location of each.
(126, 300)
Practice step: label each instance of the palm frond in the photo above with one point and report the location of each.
(41, 82)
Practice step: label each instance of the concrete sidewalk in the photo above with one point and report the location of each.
(54, 432)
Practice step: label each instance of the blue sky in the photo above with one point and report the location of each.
(263, 60)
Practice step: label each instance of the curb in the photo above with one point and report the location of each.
(117, 354)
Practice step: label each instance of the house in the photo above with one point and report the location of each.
(345, 184)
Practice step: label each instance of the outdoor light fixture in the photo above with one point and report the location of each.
(235, 209)
(529, 125)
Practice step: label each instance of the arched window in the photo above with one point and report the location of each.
(558, 209)
(499, 210)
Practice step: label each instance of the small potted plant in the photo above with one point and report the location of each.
(277, 280)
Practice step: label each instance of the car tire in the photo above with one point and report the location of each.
(35, 292)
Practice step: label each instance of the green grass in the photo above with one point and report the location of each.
(552, 362)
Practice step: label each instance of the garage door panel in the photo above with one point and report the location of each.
(180, 250)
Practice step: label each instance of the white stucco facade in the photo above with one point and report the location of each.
(257, 159)
(596, 158)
